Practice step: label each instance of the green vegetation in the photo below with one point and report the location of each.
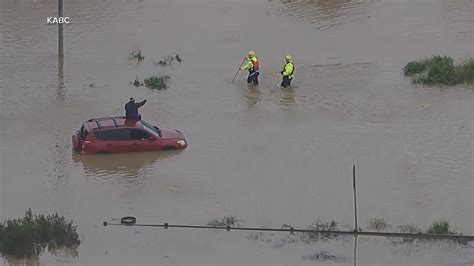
(157, 83)
(440, 70)
(466, 70)
(378, 224)
(437, 227)
(226, 221)
(279, 240)
(440, 227)
(29, 236)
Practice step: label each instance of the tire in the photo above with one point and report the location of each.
(128, 220)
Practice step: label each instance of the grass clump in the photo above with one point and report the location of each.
(406, 229)
(157, 82)
(318, 225)
(466, 70)
(440, 70)
(409, 229)
(137, 55)
(29, 236)
(378, 224)
(440, 227)
(226, 221)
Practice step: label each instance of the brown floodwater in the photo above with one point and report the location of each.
(266, 155)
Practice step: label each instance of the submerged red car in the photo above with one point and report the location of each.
(118, 134)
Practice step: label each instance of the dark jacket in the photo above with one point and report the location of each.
(131, 109)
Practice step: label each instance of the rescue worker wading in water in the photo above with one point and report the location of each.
(288, 72)
(252, 65)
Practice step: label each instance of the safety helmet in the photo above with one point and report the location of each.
(288, 57)
(251, 53)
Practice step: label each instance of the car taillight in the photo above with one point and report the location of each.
(84, 144)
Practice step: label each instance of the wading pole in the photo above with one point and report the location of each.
(238, 70)
(60, 29)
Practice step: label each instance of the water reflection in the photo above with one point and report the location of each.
(12, 261)
(60, 169)
(125, 164)
(60, 81)
(356, 241)
(287, 97)
(63, 255)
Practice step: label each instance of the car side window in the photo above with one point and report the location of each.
(82, 133)
(115, 134)
(138, 134)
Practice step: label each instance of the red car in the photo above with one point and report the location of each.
(118, 134)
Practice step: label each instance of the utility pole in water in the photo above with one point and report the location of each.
(60, 29)
(356, 228)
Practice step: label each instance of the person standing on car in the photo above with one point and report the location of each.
(131, 109)
(253, 66)
(288, 72)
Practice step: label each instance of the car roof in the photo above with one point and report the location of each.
(112, 122)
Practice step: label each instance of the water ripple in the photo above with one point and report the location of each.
(326, 14)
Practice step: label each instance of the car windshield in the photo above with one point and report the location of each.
(153, 130)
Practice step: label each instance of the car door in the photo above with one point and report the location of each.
(115, 140)
(125, 141)
(143, 140)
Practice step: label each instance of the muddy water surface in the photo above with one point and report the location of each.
(266, 155)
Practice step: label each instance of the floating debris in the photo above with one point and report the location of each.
(168, 60)
(178, 58)
(320, 256)
(136, 82)
(172, 189)
(161, 63)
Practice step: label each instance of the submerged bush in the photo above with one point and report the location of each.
(466, 70)
(378, 224)
(157, 83)
(440, 227)
(414, 67)
(409, 229)
(29, 236)
(319, 225)
(226, 221)
(440, 70)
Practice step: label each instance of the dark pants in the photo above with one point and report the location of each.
(253, 78)
(285, 82)
(137, 117)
